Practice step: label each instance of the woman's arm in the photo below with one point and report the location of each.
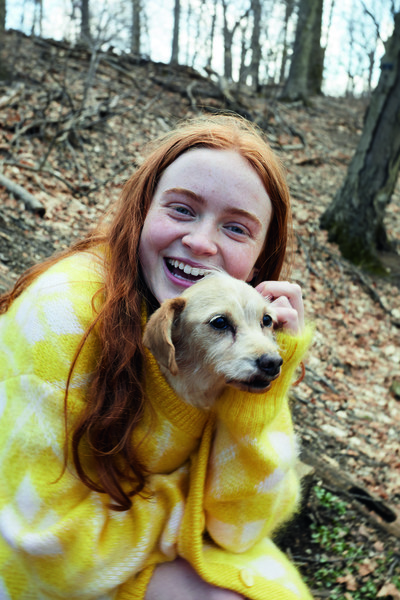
(57, 536)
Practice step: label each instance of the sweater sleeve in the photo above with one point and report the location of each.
(252, 486)
(59, 539)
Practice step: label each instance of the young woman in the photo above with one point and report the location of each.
(112, 486)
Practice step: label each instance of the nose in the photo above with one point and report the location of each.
(269, 364)
(200, 241)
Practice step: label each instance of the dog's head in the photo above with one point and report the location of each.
(218, 332)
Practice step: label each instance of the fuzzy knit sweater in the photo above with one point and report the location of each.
(221, 482)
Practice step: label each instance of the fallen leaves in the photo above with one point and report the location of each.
(349, 581)
(389, 590)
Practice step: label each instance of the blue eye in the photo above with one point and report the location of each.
(267, 321)
(182, 210)
(236, 229)
(220, 322)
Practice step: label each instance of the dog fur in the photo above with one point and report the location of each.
(218, 332)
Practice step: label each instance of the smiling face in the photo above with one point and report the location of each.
(210, 210)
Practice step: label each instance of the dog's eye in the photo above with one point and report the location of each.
(220, 322)
(267, 321)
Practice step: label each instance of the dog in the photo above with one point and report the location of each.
(219, 332)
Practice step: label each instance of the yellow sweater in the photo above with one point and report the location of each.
(221, 482)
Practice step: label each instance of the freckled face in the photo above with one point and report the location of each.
(210, 209)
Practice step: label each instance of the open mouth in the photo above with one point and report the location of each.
(184, 271)
(257, 384)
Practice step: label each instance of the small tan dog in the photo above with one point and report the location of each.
(218, 332)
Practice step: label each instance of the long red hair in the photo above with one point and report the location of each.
(115, 398)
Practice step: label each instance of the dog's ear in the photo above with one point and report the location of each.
(158, 333)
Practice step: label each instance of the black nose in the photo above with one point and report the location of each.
(270, 365)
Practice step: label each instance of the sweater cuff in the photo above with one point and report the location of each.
(292, 349)
(136, 589)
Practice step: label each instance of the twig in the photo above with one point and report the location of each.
(189, 91)
(6, 100)
(323, 380)
(308, 261)
(73, 188)
(100, 184)
(30, 201)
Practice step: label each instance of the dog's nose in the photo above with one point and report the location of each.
(270, 365)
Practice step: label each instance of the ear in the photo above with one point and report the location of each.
(158, 333)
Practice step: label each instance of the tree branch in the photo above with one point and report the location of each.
(30, 201)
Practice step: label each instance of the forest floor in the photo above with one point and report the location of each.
(73, 128)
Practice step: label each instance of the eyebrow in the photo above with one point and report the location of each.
(198, 198)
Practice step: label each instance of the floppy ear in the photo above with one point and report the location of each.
(158, 333)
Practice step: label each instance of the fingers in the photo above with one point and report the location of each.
(287, 300)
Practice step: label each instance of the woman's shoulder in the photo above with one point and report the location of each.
(65, 291)
(79, 270)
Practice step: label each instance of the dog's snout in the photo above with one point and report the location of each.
(270, 365)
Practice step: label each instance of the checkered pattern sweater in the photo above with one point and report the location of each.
(221, 483)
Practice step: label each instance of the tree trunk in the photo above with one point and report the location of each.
(307, 58)
(288, 14)
(5, 72)
(244, 70)
(37, 17)
(136, 27)
(316, 61)
(212, 35)
(354, 220)
(255, 44)
(228, 37)
(85, 22)
(2, 18)
(175, 38)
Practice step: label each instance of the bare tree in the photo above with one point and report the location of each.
(85, 22)
(289, 7)
(2, 17)
(136, 26)
(305, 74)
(373, 43)
(4, 68)
(255, 43)
(212, 34)
(354, 220)
(175, 37)
(37, 17)
(228, 35)
(244, 69)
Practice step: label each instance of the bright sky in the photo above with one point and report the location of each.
(157, 45)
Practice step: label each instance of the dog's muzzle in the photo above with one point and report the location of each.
(268, 369)
(270, 365)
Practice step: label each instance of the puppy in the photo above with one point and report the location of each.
(219, 332)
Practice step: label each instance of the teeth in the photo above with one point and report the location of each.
(195, 271)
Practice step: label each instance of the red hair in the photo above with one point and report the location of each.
(116, 398)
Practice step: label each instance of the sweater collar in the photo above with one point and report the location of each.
(161, 395)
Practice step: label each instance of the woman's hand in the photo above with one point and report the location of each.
(287, 300)
(177, 580)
